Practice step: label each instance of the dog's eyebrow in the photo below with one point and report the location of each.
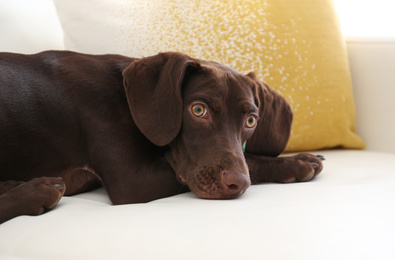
(248, 107)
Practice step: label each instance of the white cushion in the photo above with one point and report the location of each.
(346, 213)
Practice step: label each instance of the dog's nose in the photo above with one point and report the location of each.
(235, 183)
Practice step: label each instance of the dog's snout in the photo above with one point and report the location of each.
(235, 183)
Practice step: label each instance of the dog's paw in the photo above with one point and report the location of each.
(315, 161)
(38, 195)
(303, 167)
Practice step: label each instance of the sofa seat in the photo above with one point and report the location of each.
(347, 212)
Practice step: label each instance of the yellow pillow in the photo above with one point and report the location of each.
(293, 45)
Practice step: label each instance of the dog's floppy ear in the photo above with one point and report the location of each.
(153, 90)
(274, 126)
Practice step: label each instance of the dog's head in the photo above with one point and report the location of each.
(205, 112)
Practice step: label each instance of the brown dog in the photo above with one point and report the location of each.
(143, 128)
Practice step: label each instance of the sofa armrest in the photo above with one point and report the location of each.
(372, 65)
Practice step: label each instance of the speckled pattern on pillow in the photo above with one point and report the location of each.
(293, 45)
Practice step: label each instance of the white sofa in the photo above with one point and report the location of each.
(348, 212)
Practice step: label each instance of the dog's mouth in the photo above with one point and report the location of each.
(210, 183)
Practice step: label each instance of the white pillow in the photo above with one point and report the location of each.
(29, 26)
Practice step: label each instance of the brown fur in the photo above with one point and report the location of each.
(128, 125)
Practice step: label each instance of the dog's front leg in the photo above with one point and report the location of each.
(300, 167)
(30, 198)
(142, 183)
(9, 185)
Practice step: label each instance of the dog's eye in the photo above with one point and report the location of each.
(251, 121)
(199, 110)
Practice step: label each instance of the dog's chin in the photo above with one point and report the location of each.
(214, 191)
(216, 195)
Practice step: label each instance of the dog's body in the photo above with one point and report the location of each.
(143, 128)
